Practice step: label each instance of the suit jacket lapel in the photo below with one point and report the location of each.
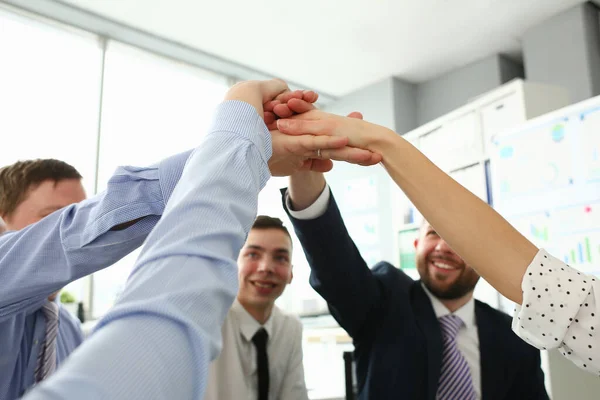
(430, 328)
(492, 357)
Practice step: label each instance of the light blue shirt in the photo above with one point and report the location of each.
(66, 245)
(20, 339)
(158, 340)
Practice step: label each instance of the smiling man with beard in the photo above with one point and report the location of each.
(425, 339)
(262, 345)
(443, 273)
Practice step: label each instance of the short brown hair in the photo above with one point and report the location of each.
(17, 179)
(266, 222)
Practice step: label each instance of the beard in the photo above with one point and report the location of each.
(462, 285)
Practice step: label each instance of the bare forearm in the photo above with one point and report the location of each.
(474, 230)
(305, 187)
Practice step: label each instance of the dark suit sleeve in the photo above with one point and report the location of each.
(537, 387)
(338, 271)
(531, 377)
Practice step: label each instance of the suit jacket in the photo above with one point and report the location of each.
(397, 337)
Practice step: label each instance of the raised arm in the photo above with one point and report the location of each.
(169, 318)
(338, 271)
(83, 238)
(560, 306)
(483, 238)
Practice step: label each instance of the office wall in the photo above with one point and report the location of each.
(390, 102)
(405, 105)
(565, 51)
(510, 69)
(441, 95)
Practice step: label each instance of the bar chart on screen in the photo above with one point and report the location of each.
(534, 226)
(581, 250)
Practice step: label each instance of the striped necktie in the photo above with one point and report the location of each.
(46, 362)
(455, 378)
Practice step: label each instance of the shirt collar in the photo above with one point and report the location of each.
(248, 325)
(466, 312)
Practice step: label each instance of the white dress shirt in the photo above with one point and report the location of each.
(560, 310)
(233, 375)
(467, 338)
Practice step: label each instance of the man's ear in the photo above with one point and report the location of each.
(416, 243)
(291, 275)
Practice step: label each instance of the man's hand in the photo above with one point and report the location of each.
(288, 104)
(257, 93)
(273, 99)
(304, 155)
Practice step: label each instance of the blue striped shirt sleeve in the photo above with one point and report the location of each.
(158, 340)
(76, 241)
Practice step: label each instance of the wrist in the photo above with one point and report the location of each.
(379, 139)
(382, 140)
(305, 188)
(248, 92)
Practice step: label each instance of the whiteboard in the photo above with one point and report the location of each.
(546, 182)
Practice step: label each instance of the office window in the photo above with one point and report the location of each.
(49, 98)
(57, 101)
(152, 108)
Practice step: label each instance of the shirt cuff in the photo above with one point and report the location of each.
(242, 119)
(169, 172)
(553, 293)
(315, 210)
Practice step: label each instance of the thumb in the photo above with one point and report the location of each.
(272, 88)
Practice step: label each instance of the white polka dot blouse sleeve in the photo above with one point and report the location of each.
(560, 310)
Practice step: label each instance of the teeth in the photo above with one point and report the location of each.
(264, 285)
(443, 266)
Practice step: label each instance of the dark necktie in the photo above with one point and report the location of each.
(262, 362)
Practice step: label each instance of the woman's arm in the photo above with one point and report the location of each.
(488, 243)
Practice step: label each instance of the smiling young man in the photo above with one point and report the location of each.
(262, 346)
(425, 339)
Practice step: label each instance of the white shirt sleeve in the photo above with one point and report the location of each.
(560, 310)
(315, 210)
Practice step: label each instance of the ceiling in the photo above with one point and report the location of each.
(337, 46)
